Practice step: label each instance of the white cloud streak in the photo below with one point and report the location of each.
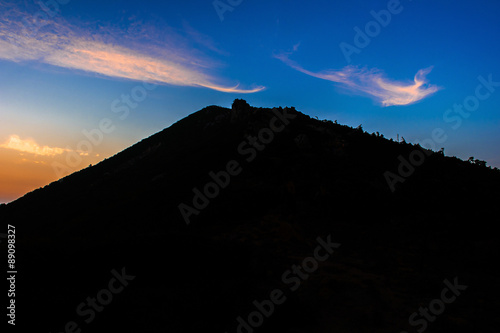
(102, 52)
(373, 83)
(30, 146)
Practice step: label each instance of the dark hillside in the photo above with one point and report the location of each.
(312, 179)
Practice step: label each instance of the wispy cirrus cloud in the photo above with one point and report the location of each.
(373, 83)
(111, 52)
(30, 146)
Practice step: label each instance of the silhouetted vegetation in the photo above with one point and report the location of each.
(476, 162)
(240, 104)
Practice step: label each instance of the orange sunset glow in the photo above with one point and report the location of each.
(27, 165)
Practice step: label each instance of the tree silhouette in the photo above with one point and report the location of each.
(240, 104)
(481, 163)
(476, 161)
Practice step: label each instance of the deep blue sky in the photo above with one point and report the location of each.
(282, 53)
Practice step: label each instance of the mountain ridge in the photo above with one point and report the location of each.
(213, 116)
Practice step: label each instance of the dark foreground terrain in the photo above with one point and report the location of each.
(397, 260)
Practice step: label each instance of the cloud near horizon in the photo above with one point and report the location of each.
(373, 83)
(30, 146)
(99, 51)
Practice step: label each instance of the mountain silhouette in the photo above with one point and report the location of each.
(207, 216)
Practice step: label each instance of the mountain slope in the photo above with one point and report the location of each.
(204, 268)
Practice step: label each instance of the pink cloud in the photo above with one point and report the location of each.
(373, 83)
(170, 61)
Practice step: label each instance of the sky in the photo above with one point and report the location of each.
(82, 80)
